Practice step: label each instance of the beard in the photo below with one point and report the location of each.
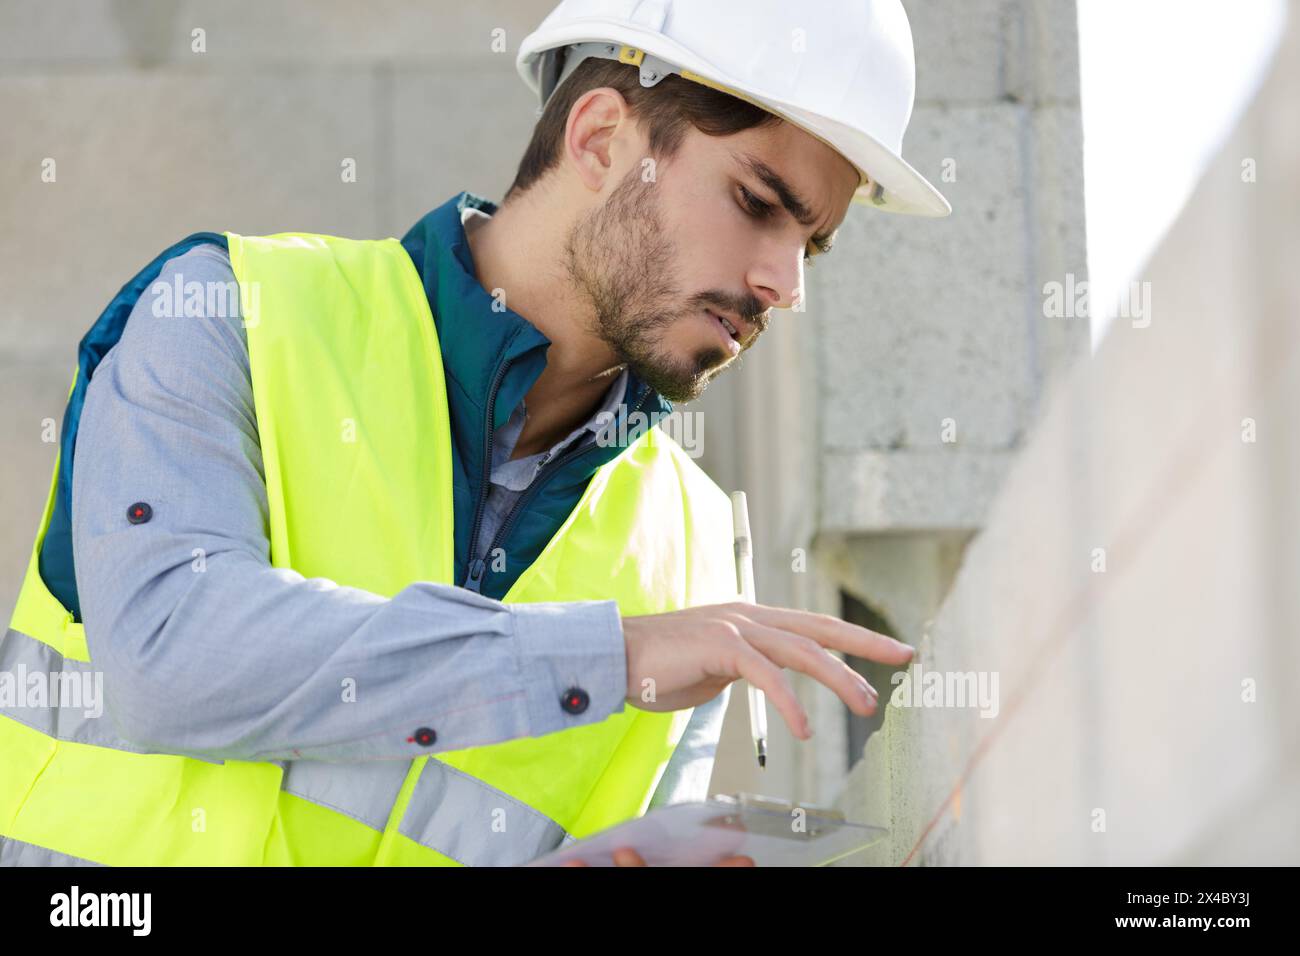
(619, 257)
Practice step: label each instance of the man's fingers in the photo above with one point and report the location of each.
(755, 667)
(626, 856)
(800, 654)
(830, 631)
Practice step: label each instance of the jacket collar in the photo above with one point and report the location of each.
(484, 344)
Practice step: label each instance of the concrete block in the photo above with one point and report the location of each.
(931, 324)
(143, 159)
(961, 48)
(302, 32)
(1042, 61)
(455, 129)
(38, 33)
(1059, 247)
(920, 490)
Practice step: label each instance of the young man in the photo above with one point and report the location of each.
(400, 503)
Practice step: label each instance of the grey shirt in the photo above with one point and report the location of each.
(510, 479)
(208, 650)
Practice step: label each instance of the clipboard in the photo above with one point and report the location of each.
(699, 834)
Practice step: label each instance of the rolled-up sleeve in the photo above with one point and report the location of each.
(208, 650)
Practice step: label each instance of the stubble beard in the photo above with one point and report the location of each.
(619, 257)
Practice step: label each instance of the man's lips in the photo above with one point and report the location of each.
(742, 329)
(729, 341)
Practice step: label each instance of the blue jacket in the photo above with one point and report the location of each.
(490, 358)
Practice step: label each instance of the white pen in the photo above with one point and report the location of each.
(745, 583)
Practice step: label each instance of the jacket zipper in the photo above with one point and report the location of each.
(478, 566)
(473, 578)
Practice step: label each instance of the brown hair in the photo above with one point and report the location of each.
(665, 110)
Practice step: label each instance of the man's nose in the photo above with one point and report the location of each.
(776, 277)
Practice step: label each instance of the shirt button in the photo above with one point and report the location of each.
(139, 513)
(575, 700)
(424, 737)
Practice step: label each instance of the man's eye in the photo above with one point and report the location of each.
(761, 210)
(754, 205)
(822, 246)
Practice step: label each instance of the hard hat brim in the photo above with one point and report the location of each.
(905, 191)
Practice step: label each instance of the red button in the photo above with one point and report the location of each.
(575, 700)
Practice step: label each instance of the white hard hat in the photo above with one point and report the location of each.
(841, 70)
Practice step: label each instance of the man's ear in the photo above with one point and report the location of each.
(590, 134)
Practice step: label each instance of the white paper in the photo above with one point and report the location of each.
(701, 834)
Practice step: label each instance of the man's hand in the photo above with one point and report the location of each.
(692, 654)
(626, 856)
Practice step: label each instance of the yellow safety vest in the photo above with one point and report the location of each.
(352, 417)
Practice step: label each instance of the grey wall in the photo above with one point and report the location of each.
(1134, 584)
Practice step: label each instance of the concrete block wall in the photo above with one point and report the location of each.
(1134, 585)
(943, 320)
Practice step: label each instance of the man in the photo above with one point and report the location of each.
(398, 503)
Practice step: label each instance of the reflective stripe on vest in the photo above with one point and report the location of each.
(67, 690)
(444, 798)
(18, 853)
(341, 341)
(464, 819)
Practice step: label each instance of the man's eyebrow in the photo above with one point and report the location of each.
(793, 203)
